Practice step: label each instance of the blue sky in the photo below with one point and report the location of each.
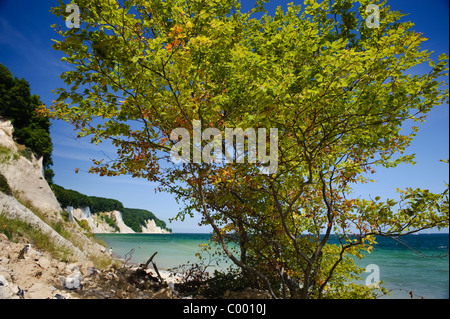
(25, 48)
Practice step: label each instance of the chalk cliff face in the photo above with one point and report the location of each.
(6, 132)
(33, 201)
(24, 175)
(25, 178)
(119, 222)
(95, 222)
(98, 224)
(151, 228)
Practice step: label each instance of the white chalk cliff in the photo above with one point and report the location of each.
(32, 200)
(25, 178)
(151, 228)
(98, 225)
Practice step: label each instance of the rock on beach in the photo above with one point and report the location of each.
(36, 275)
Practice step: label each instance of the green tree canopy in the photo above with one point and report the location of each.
(337, 90)
(135, 218)
(68, 197)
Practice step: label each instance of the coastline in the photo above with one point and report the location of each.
(29, 273)
(401, 269)
(37, 275)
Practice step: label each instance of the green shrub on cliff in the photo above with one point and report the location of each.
(135, 217)
(110, 221)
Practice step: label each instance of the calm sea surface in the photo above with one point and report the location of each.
(402, 269)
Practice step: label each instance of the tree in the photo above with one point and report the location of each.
(30, 128)
(135, 218)
(337, 90)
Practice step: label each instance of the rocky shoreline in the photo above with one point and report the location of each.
(27, 273)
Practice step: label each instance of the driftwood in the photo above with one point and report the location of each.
(150, 260)
(157, 272)
(127, 259)
(144, 280)
(144, 266)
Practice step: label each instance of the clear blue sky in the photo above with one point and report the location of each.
(25, 48)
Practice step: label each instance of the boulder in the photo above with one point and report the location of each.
(73, 281)
(9, 291)
(91, 271)
(3, 281)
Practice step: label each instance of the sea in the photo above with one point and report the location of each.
(412, 266)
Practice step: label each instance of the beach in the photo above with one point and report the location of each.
(418, 270)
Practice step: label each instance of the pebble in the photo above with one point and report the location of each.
(3, 281)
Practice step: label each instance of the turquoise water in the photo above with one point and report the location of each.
(400, 268)
(173, 249)
(420, 271)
